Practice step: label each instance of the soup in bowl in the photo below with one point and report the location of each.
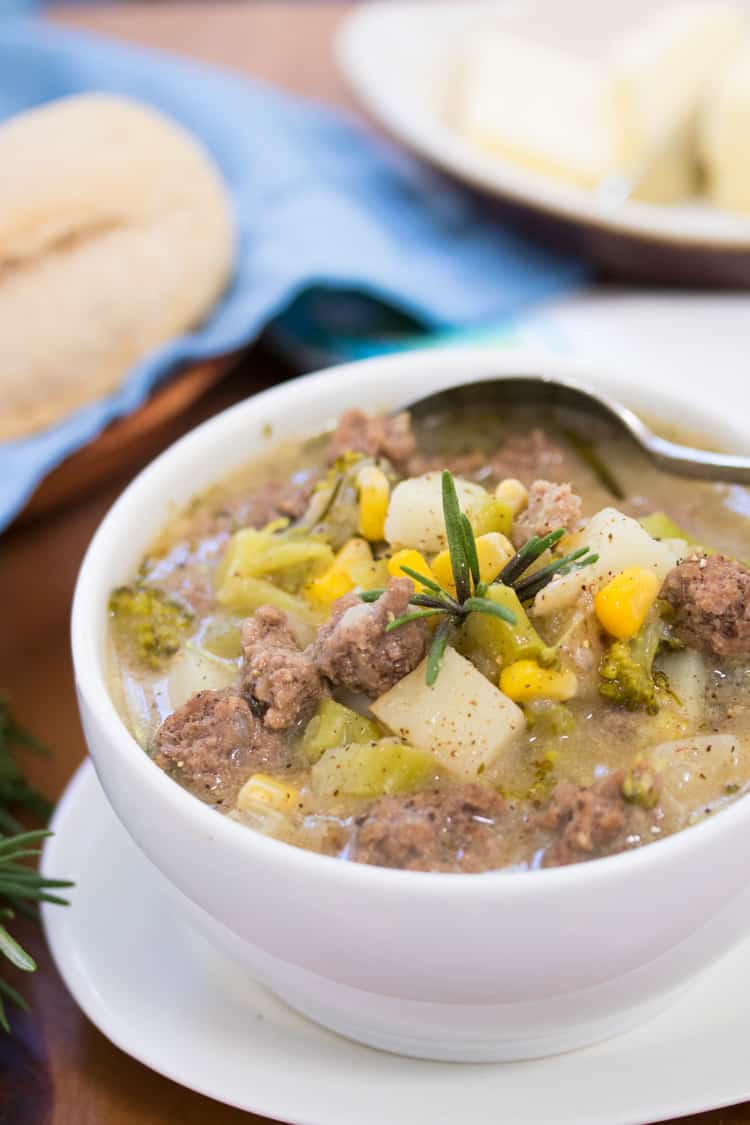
(396, 710)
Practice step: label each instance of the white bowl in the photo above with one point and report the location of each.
(462, 967)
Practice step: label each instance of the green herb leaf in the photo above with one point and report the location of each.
(492, 609)
(470, 548)
(371, 595)
(529, 587)
(437, 650)
(405, 618)
(17, 956)
(527, 555)
(456, 538)
(423, 580)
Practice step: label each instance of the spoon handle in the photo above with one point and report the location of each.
(685, 461)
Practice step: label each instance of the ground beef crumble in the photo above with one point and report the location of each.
(276, 672)
(588, 822)
(451, 829)
(214, 742)
(550, 507)
(389, 437)
(710, 596)
(354, 650)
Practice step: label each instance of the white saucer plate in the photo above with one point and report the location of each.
(160, 994)
(402, 57)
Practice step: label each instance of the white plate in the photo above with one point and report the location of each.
(163, 996)
(400, 58)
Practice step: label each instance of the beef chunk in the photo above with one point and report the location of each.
(375, 437)
(711, 600)
(275, 499)
(353, 649)
(589, 822)
(550, 506)
(275, 671)
(526, 456)
(452, 829)
(214, 742)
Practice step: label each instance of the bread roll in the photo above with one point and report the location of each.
(115, 235)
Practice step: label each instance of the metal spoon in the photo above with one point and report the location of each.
(682, 460)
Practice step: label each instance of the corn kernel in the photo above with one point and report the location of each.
(493, 515)
(512, 493)
(525, 680)
(345, 572)
(493, 552)
(623, 604)
(374, 494)
(265, 790)
(414, 560)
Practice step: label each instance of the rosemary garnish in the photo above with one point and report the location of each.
(430, 599)
(21, 887)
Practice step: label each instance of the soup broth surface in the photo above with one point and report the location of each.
(300, 732)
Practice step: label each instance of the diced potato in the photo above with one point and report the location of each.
(195, 669)
(696, 772)
(621, 543)
(462, 718)
(334, 725)
(371, 769)
(415, 513)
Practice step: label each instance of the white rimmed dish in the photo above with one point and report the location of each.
(471, 968)
(194, 1018)
(400, 59)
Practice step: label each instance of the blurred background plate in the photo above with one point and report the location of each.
(126, 440)
(401, 58)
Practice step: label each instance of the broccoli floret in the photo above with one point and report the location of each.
(627, 669)
(147, 619)
(641, 786)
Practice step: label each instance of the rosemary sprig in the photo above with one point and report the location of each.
(431, 599)
(21, 887)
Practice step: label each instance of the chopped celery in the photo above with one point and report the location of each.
(222, 638)
(661, 526)
(493, 515)
(372, 769)
(248, 594)
(334, 725)
(548, 718)
(255, 554)
(490, 642)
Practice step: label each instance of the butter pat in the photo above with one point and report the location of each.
(725, 138)
(659, 74)
(538, 107)
(632, 111)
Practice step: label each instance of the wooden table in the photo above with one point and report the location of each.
(57, 1069)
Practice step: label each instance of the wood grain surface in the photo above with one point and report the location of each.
(57, 1069)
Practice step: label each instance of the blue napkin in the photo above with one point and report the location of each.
(322, 207)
